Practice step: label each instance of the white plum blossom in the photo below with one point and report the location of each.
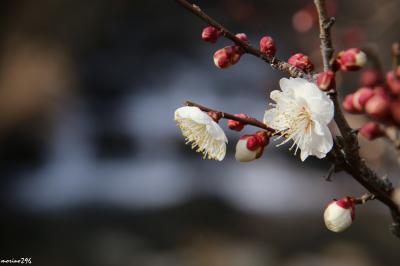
(202, 131)
(301, 113)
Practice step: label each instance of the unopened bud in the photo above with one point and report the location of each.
(301, 61)
(216, 116)
(396, 196)
(393, 82)
(267, 46)
(243, 37)
(210, 34)
(378, 107)
(326, 80)
(348, 105)
(370, 78)
(371, 131)
(251, 147)
(236, 125)
(339, 215)
(262, 137)
(227, 56)
(351, 59)
(361, 97)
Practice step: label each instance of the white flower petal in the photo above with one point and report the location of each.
(202, 131)
(301, 113)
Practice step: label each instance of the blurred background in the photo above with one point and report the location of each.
(94, 170)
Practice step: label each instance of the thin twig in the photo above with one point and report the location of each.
(363, 199)
(247, 121)
(273, 61)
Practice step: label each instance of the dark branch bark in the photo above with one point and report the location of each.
(354, 164)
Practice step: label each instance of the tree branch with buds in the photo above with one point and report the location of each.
(344, 154)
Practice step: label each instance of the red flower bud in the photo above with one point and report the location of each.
(227, 56)
(262, 137)
(243, 37)
(378, 107)
(236, 125)
(301, 61)
(351, 59)
(251, 147)
(348, 105)
(371, 131)
(361, 97)
(267, 46)
(210, 34)
(339, 214)
(326, 80)
(370, 78)
(393, 82)
(216, 116)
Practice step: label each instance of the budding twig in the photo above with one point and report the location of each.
(248, 121)
(273, 61)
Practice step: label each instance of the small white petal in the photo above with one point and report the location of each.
(202, 131)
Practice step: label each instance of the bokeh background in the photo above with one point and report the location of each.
(95, 172)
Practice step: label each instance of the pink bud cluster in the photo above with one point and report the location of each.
(230, 55)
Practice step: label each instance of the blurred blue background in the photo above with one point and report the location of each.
(94, 170)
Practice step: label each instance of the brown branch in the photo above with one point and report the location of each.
(347, 158)
(354, 164)
(272, 61)
(363, 199)
(247, 121)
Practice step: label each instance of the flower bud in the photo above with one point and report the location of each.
(210, 34)
(348, 105)
(227, 56)
(378, 107)
(361, 97)
(326, 80)
(351, 59)
(370, 78)
(339, 215)
(393, 82)
(267, 46)
(251, 147)
(396, 196)
(371, 131)
(243, 37)
(216, 116)
(301, 61)
(236, 125)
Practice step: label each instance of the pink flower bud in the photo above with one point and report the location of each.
(339, 214)
(267, 46)
(370, 78)
(216, 116)
(236, 125)
(371, 131)
(243, 37)
(227, 56)
(301, 61)
(348, 105)
(251, 147)
(378, 107)
(393, 83)
(326, 80)
(210, 34)
(361, 97)
(351, 59)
